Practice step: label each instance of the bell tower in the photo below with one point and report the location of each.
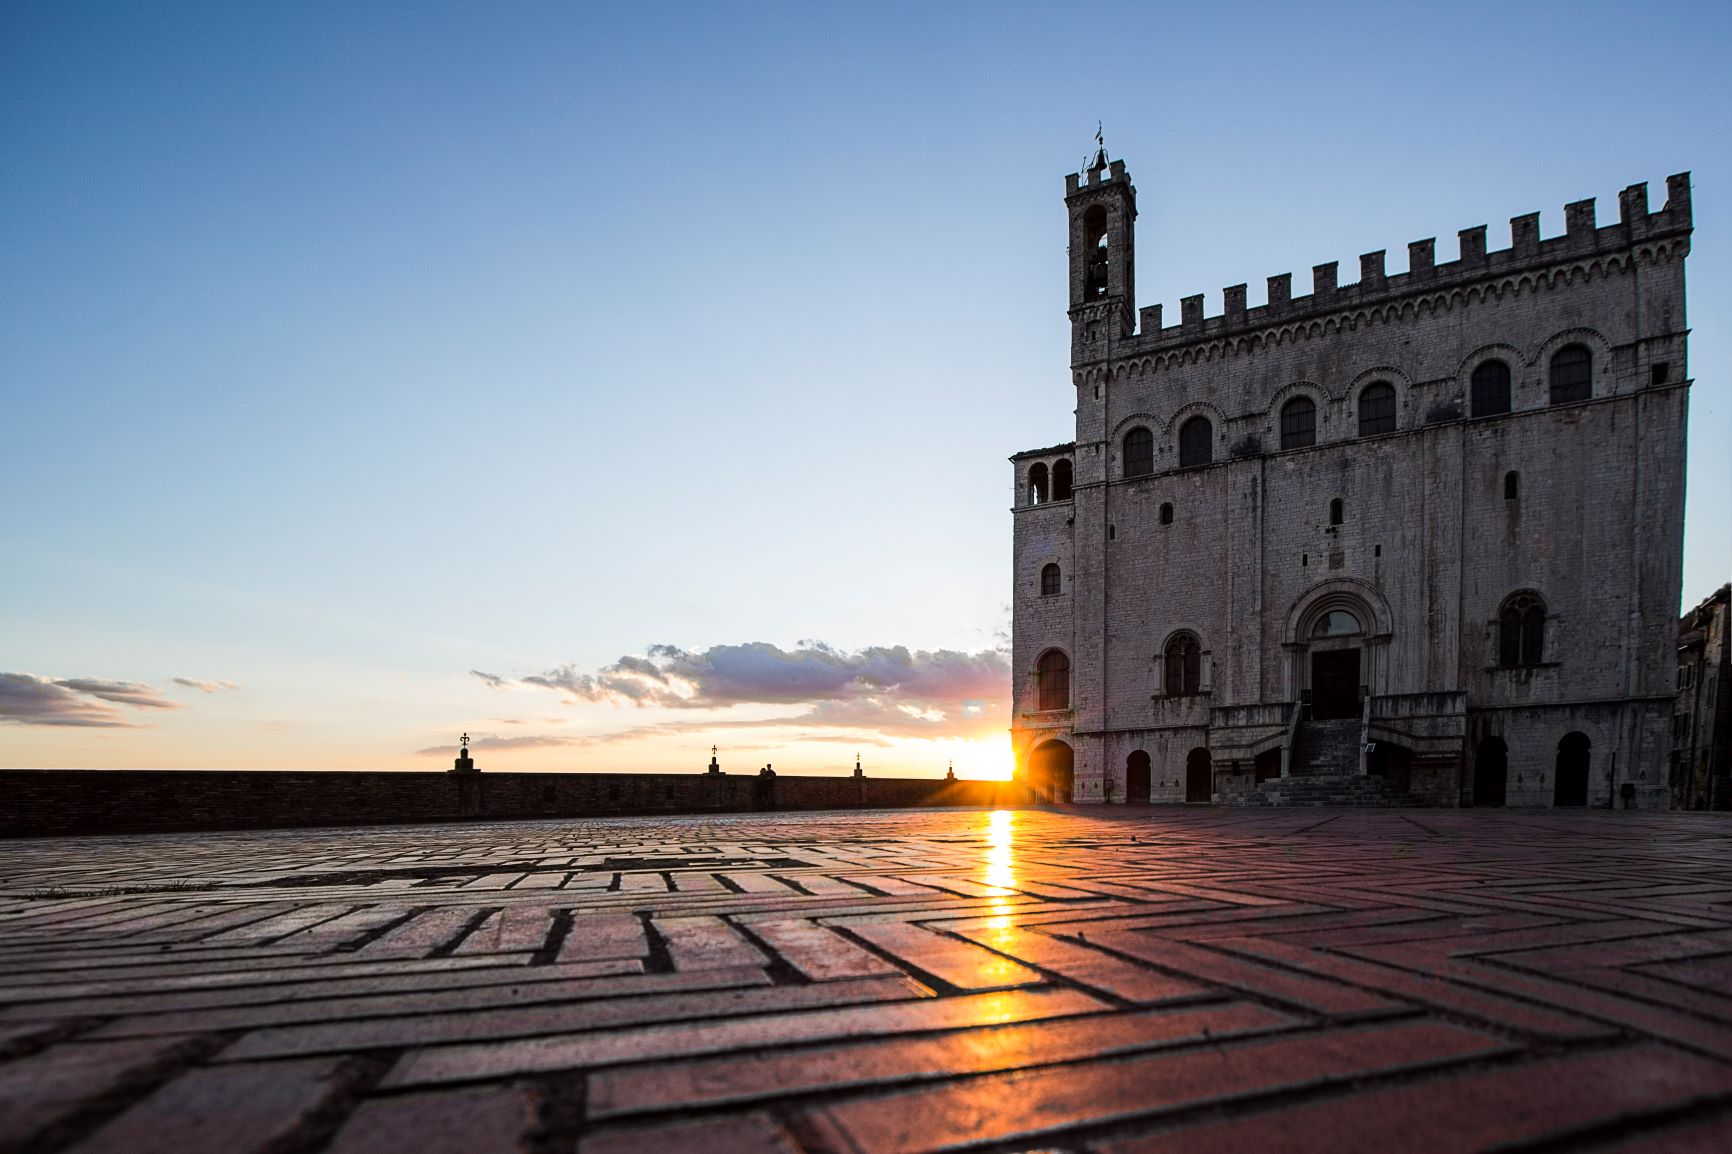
(1102, 204)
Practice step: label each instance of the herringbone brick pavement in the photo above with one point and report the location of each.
(1125, 979)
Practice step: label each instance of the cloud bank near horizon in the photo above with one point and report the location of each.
(887, 691)
(90, 702)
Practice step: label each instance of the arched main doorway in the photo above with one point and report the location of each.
(1335, 672)
(1490, 772)
(1138, 773)
(1199, 777)
(1571, 781)
(1052, 771)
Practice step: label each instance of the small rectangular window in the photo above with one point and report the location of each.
(1661, 373)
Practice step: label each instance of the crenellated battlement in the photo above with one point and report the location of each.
(1582, 239)
(1094, 178)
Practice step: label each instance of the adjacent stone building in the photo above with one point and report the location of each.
(1702, 720)
(1413, 538)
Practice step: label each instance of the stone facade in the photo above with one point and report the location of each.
(1417, 538)
(1702, 721)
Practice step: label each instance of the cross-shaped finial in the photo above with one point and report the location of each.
(712, 751)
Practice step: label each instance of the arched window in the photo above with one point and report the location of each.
(1096, 253)
(1336, 623)
(1184, 666)
(1166, 512)
(1036, 484)
(1376, 409)
(1337, 511)
(1490, 389)
(1061, 479)
(1049, 581)
(1512, 485)
(1299, 423)
(1196, 443)
(1572, 374)
(1521, 631)
(1139, 452)
(1053, 675)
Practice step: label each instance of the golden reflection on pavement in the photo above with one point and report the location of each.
(1001, 853)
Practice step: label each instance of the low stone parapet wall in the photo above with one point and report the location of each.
(42, 802)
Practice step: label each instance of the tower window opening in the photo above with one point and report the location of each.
(1490, 388)
(1521, 631)
(1139, 452)
(1572, 374)
(1512, 481)
(1196, 443)
(1061, 479)
(1376, 409)
(1098, 256)
(1049, 581)
(1299, 423)
(1052, 676)
(1337, 511)
(1037, 487)
(1166, 512)
(1184, 657)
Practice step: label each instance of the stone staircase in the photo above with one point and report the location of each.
(1325, 749)
(1323, 770)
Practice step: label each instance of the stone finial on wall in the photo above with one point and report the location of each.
(464, 763)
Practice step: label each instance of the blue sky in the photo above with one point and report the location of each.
(348, 349)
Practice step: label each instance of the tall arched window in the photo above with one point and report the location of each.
(1036, 484)
(1166, 512)
(1095, 246)
(1572, 374)
(1337, 511)
(1299, 423)
(1049, 581)
(1521, 631)
(1376, 409)
(1184, 666)
(1053, 677)
(1196, 443)
(1061, 479)
(1139, 452)
(1490, 389)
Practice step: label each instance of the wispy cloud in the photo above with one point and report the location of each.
(26, 699)
(527, 741)
(204, 686)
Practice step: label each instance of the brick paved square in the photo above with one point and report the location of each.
(1124, 979)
